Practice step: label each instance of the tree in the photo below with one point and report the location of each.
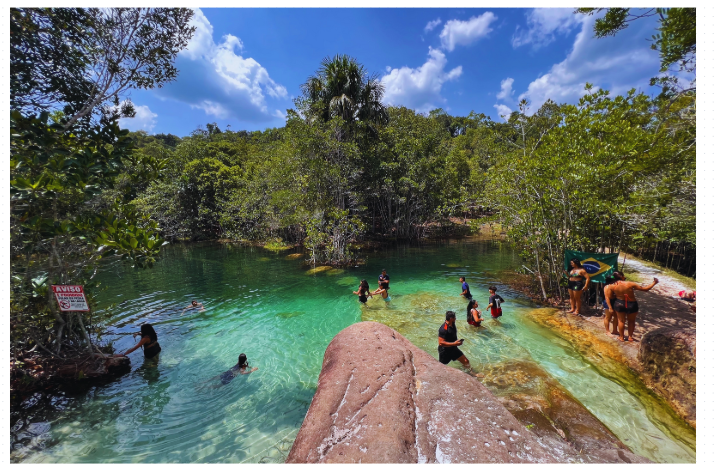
(63, 224)
(676, 39)
(83, 60)
(342, 88)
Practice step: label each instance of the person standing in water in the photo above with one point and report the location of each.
(449, 344)
(494, 303)
(621, 299)
(473, 315)
(383, 286)
(576, 286)
(465, 290)
(363, 291)
(149, 342)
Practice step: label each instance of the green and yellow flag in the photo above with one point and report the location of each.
(597, 265)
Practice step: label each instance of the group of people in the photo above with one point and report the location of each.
(619, 299)
(363, 292)
(448, 341)
(150, 344)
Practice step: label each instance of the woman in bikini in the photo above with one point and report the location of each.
(621, 299)
(363, 291)
(578, 280)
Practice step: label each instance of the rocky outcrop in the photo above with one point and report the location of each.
(668, 358)
(559, 420)
(380, 399)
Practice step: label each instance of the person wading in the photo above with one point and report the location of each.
(449, 344)
(621, 299)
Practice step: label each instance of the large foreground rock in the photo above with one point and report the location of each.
(380, 399)
(668, 358)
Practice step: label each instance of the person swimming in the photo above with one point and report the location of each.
(363, 291)
(195, 304)
(240, 368)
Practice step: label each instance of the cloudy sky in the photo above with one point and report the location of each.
(244, 67)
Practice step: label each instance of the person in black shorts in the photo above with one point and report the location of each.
(449, 344)
(465, 290)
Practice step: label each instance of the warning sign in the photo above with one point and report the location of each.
(70, 297)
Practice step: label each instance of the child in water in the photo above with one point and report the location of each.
(473, 315)
(494, 303)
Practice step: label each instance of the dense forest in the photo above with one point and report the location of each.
(610, 172)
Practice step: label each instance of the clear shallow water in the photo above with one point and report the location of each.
(267, 306)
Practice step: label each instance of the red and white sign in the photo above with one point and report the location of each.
(70, 297)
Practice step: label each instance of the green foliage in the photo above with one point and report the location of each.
(676, 39)
(341, 87)
(62, 220)
(83, 60)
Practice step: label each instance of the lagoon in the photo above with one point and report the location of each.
(282, 316)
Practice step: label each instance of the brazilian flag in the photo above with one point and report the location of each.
(597, 265)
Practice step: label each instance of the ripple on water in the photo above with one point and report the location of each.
(283, 317)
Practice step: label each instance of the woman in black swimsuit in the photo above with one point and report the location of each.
(363, 291)
(148, 341)
(576, 285)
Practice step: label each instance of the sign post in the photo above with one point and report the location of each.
(70, 297)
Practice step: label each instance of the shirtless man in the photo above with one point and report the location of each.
(620, 298)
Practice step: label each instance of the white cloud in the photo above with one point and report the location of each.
(504, 112)
(432, 24)
(544, 24)
(280, 114)
(143, 120)
(463, 33)
(615, 63)
(506, 89)
(216, 78)
(419, 88)
(212, 109)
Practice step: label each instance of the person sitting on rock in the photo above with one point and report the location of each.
(621, 299)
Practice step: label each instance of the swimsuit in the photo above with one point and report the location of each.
(575, 285)
(471, 319)
(227, 376)
(625, 306)
(152, 349)
(363, 298)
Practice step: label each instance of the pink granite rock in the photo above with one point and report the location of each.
(380, 399)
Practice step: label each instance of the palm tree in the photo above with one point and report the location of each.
(341, 87)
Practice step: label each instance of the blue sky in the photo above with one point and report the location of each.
(243, 67)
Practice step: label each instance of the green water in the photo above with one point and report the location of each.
(267, 306)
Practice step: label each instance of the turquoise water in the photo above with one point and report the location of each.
(269, 307)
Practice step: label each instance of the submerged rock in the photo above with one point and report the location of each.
(380, 399)
(668, 358)
(570, 431)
